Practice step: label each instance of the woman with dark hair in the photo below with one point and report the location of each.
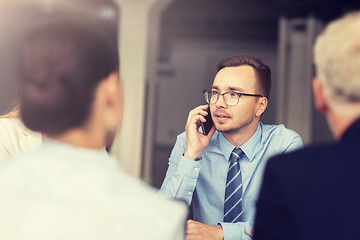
(69, 188)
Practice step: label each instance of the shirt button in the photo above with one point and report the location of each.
(196, 169)
(189, 193)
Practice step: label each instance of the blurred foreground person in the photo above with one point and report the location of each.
(69, 188)
(15, 138)
(314, 193)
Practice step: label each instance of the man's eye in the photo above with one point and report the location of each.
(214, 93)
(233, 94)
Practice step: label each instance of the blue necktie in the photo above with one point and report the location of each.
(233, 191)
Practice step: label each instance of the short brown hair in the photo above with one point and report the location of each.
(262, 71)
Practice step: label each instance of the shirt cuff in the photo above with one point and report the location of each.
(189, 167)
(190, 170)
(234, 231)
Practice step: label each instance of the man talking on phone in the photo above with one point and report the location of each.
(220, 173)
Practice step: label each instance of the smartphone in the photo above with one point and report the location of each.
(206, 126)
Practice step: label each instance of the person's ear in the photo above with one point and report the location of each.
(319, 97)
(111, 88)
(262, 105)
(112, 106)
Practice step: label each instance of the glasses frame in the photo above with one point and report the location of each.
(222, 94)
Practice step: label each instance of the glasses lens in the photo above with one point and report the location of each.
(213, 97)
(231, 99)
(207, 96)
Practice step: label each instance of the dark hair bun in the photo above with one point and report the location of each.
(61, 65)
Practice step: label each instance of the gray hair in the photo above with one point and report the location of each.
(337, 58)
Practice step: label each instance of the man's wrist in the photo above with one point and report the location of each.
(192, 156)
(220, 232)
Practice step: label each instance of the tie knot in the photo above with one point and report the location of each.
(235, 154)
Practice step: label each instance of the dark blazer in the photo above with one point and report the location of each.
(312, 193)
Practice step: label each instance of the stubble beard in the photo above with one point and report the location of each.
(235, 129)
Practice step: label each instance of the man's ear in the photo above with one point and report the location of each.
(319, 97)
(262, 105)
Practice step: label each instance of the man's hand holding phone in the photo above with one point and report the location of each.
(196, 141)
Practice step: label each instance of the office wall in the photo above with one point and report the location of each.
(15, 22)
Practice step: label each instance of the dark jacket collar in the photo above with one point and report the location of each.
(353, 132)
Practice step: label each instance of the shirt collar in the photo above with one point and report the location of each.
(248, 147)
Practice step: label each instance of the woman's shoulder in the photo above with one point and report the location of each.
(16, 138)
(9, 125)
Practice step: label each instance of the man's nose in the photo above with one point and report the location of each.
(221, 102)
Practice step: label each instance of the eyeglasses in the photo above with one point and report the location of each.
(230, 98)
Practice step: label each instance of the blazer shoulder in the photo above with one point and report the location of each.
(310, 155)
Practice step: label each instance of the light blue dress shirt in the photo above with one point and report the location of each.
(203, 182)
